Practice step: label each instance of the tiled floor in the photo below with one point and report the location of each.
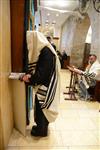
(76, 128)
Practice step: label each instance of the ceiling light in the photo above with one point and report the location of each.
(57, 15)
(47, 21)
(54, 22)
(48, 14)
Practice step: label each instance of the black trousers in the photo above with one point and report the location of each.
(91, 90)
(39, 117)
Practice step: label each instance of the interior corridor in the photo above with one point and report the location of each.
(76, 128)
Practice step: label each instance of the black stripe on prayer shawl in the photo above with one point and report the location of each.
(42, 92)
(32, 63)
(51, 92)
(90, 78)
(52, 97)
(90, 75)
(30, 70)
(31, 67)
(41, 100)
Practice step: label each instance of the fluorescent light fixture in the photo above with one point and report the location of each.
(53, 9)
(59, 3)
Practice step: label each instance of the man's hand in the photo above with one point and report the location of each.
(74, 69)
(25, 78)
(70, 68)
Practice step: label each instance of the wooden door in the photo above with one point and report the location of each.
(17, 8)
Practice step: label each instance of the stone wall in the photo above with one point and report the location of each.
(77, 53)
(74, 33)
(67, 35)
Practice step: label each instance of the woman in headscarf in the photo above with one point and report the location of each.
(44, 76)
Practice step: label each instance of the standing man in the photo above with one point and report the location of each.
(44, 76)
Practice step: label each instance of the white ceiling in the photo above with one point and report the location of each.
(56, 11)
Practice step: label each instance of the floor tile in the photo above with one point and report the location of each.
(79, 138)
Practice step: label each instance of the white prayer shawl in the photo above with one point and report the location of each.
(93, 73)
(95, 68)
(36, 41)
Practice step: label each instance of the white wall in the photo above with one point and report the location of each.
(57, 31)
(88, 37)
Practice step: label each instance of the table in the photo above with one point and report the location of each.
(72, 87)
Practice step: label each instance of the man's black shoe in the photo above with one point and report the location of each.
(38, 132)
(34, 127)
